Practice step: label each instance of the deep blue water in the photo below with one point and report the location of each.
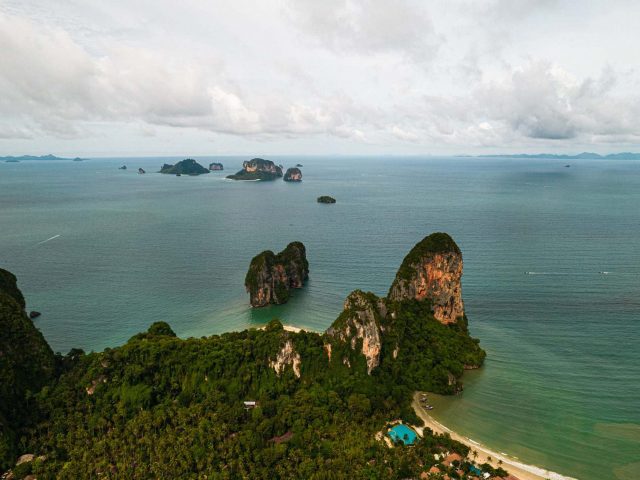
(560, 388)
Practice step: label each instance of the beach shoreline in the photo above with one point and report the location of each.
(516, 468)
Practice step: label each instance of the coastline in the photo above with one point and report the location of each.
(518, 469)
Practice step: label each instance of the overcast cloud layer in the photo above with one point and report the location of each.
(158, 77)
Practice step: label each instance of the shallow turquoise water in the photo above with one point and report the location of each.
(560, 388)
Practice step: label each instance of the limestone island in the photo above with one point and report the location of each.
(216, 166)
(299, 165)
(123, 167)
(271, 276)
(257, 169)
(187, 166)
(326, 199)
(293, 175)
(141, 170)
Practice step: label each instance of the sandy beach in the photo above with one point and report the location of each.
(515, 468)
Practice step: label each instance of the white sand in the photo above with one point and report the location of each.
(520, 470)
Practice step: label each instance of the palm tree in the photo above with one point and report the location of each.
(489, 459)
(475, 454)
(499, 463)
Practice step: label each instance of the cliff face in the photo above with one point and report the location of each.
(360, 325)
(432, 271)
(270, 276)
(293, 175)
(287, 356)
(258, 169)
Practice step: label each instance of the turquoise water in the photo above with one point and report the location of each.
(560, 387)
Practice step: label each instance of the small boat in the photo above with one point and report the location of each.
(567, 166)
(428, 407)
(178, 174)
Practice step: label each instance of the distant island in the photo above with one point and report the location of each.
(258, 169)
(326, 199)
(216, 166)
(583, 155)
(187, 166)
(42, 157)
(293, 174)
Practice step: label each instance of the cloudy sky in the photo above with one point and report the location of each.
(207, 77)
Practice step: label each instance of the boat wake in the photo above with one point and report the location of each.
(48, 240)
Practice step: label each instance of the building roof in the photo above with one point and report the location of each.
(402, 433)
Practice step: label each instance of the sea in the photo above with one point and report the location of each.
(551, 273)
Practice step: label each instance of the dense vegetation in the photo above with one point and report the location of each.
(326, 199)
(26, 365)
(185, 167)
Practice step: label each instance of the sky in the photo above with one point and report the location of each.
(329, 77)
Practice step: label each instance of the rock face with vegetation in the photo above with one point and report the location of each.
(185, 167)
(216, 166)
(326, 199)
(258, 169)
(432, 271)
(293, 175)
(271, 277)
(163, 407)
(360, 325)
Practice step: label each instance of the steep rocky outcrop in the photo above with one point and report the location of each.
(270, 276)
(216, 166)
(287, 356)
(293, 175)
(258, 169)
(360, 325)
(187, 166)
(431, 272)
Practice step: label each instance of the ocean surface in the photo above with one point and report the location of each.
(104, 252)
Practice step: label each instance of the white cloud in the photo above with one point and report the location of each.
(341, 75)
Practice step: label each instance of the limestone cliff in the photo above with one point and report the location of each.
(293, 175)
(432, 271)
(271, 276)
(360, 325)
